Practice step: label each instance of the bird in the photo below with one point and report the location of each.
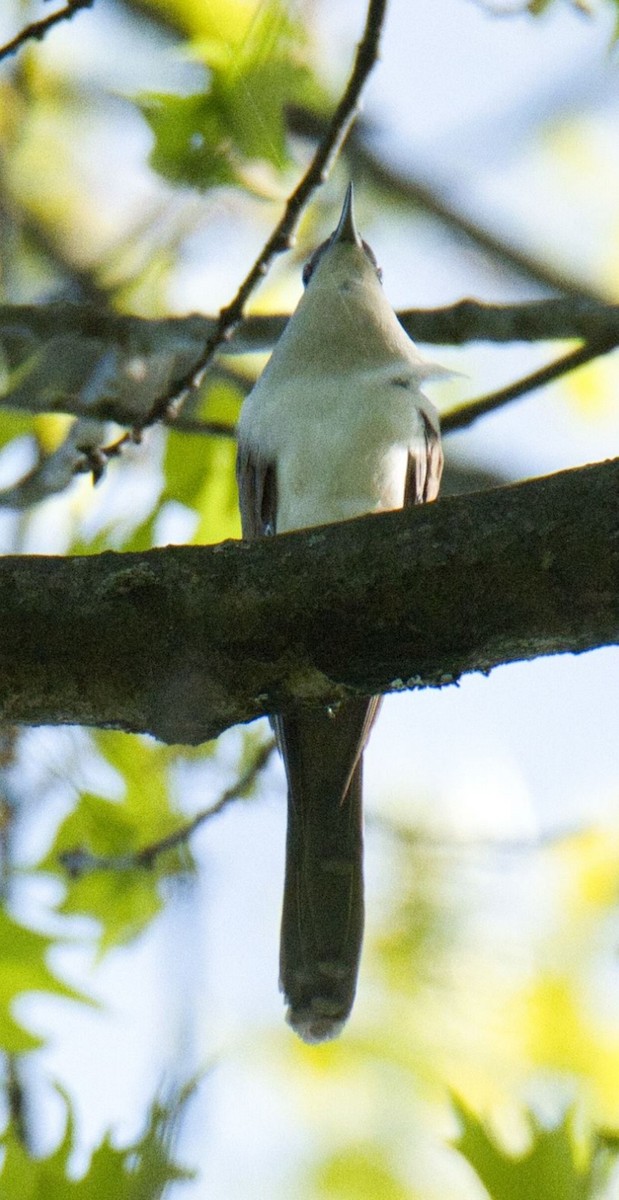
(335, 427)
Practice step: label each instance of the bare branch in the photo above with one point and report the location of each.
(183, 642)
(555, 319)
(102, 365)
(80, 862)
(39, 29)
(466, 414)
(79, 359)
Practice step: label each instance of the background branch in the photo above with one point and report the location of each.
(465, 414)
(185, 641)
(90, 362)
(555, 319)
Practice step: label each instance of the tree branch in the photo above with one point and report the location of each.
(556, 319)
(39, 29)
(185, 641)
(465, 414)
(80, 359)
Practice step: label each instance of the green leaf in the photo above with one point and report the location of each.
(140, 1171)
(208, 20)
(24, 969)
(200, 470)
(192, 145)
(208, 139)
(123, 899)
(555, 1165)
(190, 458)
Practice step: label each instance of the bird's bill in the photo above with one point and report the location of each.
(346, 229)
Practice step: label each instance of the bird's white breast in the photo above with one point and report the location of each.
(339, 451)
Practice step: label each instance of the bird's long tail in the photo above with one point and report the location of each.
(322, 918)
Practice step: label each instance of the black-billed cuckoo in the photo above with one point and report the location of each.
(336, 426)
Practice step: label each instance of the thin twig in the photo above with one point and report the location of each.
(466, 414)
(80, 862)
(38, 29)
(316, 174)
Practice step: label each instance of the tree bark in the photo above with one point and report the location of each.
(184, 641)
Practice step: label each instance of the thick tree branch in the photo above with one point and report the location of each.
(183, 642)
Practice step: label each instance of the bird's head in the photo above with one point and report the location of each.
(344, 252)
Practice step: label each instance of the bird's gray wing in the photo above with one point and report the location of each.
(425, 466)
(257, 485)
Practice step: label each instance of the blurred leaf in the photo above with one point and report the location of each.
(206, 140)
(141, 538)
(208, 20)
(24, 969)
(123, 900)
(554, 1166)
(591, 390)
(140, 1171)
(361, 1174)
(200, 470)
(13, 425)
(192, 143)
(218, 498)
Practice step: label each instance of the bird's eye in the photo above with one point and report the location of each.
(312, 263)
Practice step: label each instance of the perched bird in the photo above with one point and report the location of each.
(336, 426)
